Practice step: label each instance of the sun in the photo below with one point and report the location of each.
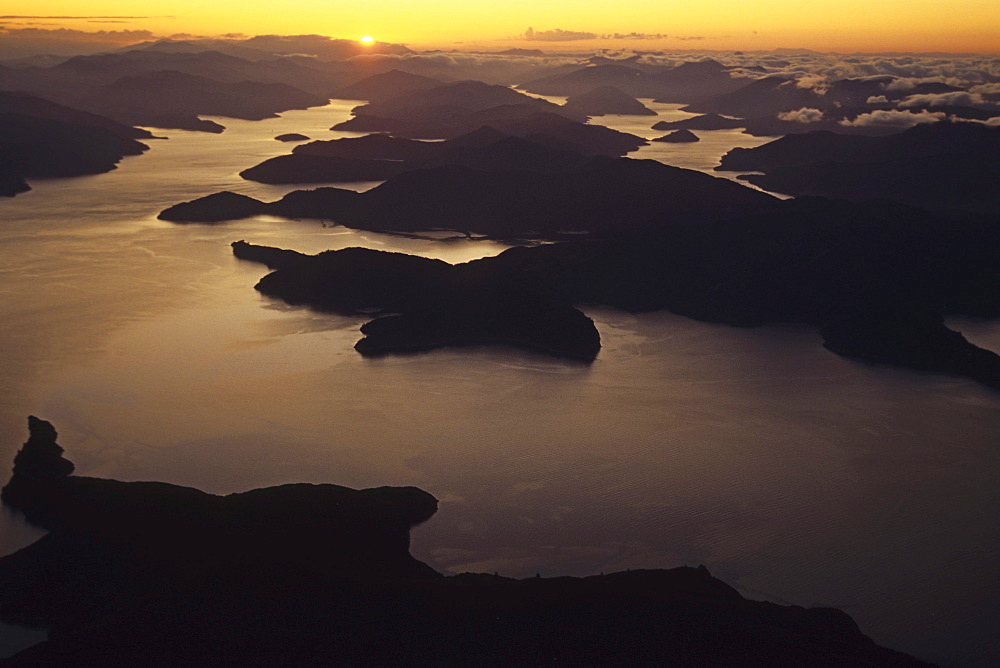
(367, 39)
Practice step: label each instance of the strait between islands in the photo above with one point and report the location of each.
(149, 573)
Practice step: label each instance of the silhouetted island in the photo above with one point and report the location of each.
(379, 157)
(601, 196)
(292, 136)
(214, 208)
(425, 304)
(607, 100)
(149, 573)
(679, 137)
(702, 122)
(543, 143)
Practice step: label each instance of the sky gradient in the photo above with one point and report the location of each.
(855, 25)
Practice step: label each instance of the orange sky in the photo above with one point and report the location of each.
(854, 25)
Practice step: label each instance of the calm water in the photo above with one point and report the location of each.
(793, 474)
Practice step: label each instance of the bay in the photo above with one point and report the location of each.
(793, 474)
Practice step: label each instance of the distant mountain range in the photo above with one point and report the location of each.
(171, 90)
(687, 82)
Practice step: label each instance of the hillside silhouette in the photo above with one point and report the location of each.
(944, 167)
(149, 573)
(40, 139)
(602, 196)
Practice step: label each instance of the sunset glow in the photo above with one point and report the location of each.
(853, 25)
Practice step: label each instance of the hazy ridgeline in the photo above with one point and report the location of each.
(794, 474)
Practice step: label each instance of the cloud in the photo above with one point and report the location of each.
(18, 17)
(993, 122)
(893, 118)
(642, 35)
(901, 85)
(557, 35)
(21, 42)
(804, 115)
(469, 59)
(908, 70)
(877, 99)
(959, 98)
(817, 83)
(986, 89)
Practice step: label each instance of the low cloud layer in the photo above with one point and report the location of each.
(804, 115)
(959, 99)
(25, 17)
(557, 35)
(817, 83)
(22, 42)
(894, 118)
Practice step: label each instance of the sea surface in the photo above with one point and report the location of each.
(795, 475)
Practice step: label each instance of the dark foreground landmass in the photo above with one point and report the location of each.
(153, 574)
(875, 279)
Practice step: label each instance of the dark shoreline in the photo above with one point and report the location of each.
(157, 574)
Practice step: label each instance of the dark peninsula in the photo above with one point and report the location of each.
(214, 208)
(41, 139)
(702, 122)
(601, 196)
(379, 157)
(148, 573)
